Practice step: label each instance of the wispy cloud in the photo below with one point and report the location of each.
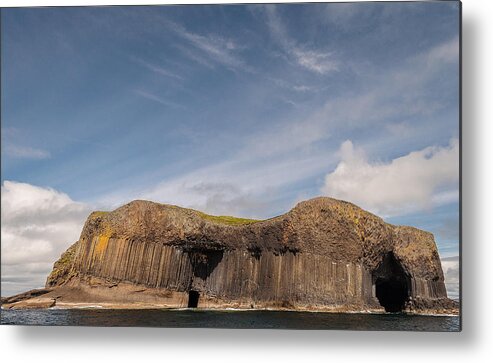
(14, 146)
(444, 53)
(195, 56)
(156, 69)
(396, 94)
(293, 86)
(287, 137)
(25, 152)
(318, 62)
(214, 47)
(350, 16)
(391, 97)
(162, 101)
(321, 62)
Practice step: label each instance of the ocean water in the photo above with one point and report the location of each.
(194, 318)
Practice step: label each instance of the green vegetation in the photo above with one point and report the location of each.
(228, 220)
(231, 221)
(62, 267)
(98, 214)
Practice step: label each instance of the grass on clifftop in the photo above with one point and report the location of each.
(232, 221)
(98, 213)
(229, 220)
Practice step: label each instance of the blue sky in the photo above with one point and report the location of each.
(241, 110)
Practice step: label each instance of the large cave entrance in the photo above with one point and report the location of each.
(204, 261)
(392, 285)
(193, 299)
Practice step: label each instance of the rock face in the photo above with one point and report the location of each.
(324, 254)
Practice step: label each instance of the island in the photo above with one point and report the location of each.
(323, 255)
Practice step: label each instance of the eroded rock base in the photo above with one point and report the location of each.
(98, 293)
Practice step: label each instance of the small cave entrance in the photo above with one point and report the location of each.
(193, 299)
(392, 284)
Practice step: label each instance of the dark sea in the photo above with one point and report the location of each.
(231, 319)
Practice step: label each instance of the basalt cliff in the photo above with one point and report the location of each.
(323, 255)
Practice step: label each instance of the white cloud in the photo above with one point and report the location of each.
(318, 62)
(25, 152)
(450, 267)
(38, 225)
(416, 181)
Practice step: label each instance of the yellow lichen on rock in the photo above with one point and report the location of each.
(101, 245)
(102, 241)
